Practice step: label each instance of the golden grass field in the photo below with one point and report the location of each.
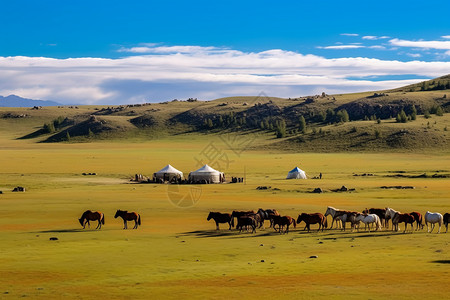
(176, 253)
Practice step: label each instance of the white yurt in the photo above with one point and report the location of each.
(296, 173)
(167, 174)
(206, 174)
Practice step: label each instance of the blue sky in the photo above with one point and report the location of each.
(112, 52)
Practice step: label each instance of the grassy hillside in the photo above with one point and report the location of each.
(359, 121)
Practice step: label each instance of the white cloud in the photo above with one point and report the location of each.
(369, 37)
(377, 47)
(415, 55)
(350, 34)
(340, 47)
(373, 37)
(163, 73)
(445, 45)
(445, 36)
(150, 48)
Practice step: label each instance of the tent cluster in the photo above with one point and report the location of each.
(205, 174)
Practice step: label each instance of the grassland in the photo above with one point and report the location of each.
(178, 254)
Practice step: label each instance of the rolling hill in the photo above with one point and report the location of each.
(409, 118)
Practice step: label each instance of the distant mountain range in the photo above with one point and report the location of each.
(16, 101)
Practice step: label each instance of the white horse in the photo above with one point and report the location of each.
(369, 219)
(433, 218)
(334, 213)
(390, 213)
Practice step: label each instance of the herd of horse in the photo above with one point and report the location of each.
(375, 217)
(100, 218)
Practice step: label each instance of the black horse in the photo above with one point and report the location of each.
(246, 221)
(219, 218)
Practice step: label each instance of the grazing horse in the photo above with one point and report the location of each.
(219, 218)
(390, 213)
(315, 218)
(282, 221)
(92, 216)
(446, 221)
(380, 212)
(404, 218)
(237, 214)
(418, 218)
(369, 219)
(433, 218)
(128, 216)
(246, 221)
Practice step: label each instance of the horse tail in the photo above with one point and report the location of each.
(295, 223)
(139, 220)
(325, 223)
(232, 221)
(103, 219)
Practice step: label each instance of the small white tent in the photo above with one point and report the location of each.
(167, 173)
(296, 173)
(207, 174)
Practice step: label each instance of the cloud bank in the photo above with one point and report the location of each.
(153, 73)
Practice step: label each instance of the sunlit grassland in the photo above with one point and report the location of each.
(178, 254)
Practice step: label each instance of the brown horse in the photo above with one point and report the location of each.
(219, 218)
(128, 216)
(418, 218)
(403, 218)
(315, 218)
(282, 221)
(446, 221)
(92, 216)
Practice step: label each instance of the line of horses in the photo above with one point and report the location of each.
(100, 218)
(375, 217)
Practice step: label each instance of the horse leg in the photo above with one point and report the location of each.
(217, 225)
(229, 223)
(440, 224)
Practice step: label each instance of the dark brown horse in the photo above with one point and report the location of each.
(266, 214)
(92, 216)
(282, 221)
(446, 221)
(315, 218)
(403, 218)
(219, 218)
(380, 212)
(418, 218)
(246, 221)
(128, 216)
(237, 214)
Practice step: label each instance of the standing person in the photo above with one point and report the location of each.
(320, 175)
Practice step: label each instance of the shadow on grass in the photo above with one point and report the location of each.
(443, 261)
(68, 230)
(296, 233)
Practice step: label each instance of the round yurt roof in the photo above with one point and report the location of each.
(206, 169)
(169, 170)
